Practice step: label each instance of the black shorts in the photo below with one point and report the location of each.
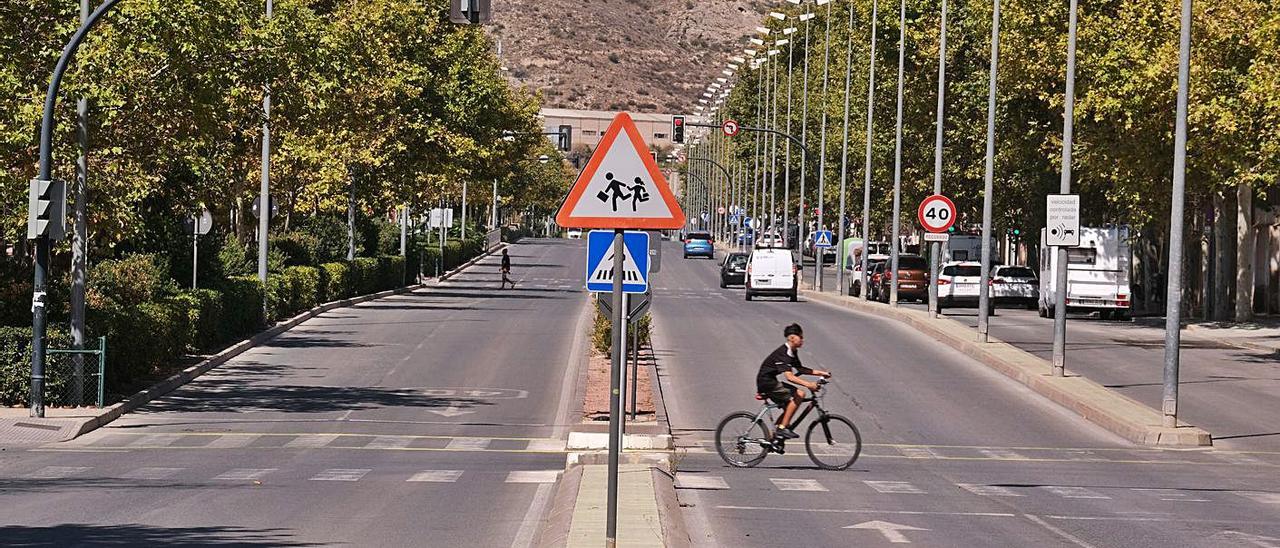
(780, 394)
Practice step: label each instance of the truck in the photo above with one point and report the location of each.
(1097, 274)
(968, 247)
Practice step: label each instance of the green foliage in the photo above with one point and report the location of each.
(330, 234)
(340, 281)
(235, 259)
(298, 248)
(602, 331)
(130, 280)
(15, 365)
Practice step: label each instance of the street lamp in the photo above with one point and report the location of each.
(822, 155)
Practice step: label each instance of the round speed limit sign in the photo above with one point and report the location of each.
(730, 128)
(937, 213)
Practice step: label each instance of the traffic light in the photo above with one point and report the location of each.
(566, 138)
(677, 129)
(47, 214)
(469, 12)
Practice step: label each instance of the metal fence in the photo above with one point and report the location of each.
(492, 238)
(69, 374)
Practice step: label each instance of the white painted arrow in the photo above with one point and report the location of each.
(451, 411)
(889, 530)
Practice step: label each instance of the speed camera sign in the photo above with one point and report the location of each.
(937, 213)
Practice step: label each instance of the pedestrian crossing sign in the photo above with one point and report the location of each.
(635, 261)
(822, 239)
(621, 187)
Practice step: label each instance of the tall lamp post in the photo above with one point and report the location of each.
(822, 146)
(1173, 295)
(935, 247)
(897, 154)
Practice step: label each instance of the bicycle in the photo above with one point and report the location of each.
(836, 447)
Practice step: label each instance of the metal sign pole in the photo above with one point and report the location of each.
(615, 384)
(1173, 297)
(635, 367)
(1060, 275)
(195, 249)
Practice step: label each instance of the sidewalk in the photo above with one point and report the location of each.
(1228, 381)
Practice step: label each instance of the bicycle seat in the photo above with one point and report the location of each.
(759, 396)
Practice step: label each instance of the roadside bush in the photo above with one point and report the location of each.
(131, 279)
(366, 275)
(234, 258)
(299, 249)
(241, 306)
(330, 234)
(602, 331)
(15, 365)
(339, 281)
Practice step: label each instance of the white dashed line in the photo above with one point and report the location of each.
(1074, 492)
(244, 473)
(533, 476)
(152, 473)
(57, 472)
(895, 487)
(988, 490)
(437, 476)
(787, 484)
(341, 474)
(687, 481)
(468, 444)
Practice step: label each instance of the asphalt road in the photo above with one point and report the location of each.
(955, 454)
(435, 418)
(1128, 357)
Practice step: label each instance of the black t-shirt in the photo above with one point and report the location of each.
(506, 262)
(780, 361)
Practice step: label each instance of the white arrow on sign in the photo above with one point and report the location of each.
(451, 411)
(889, 530)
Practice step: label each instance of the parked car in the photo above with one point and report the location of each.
(958, 285)
(699, 244)
(913, 280)
(772, 272)
(1015, 285)
(769, 240)
(574, 234)
(855, 277)
(733, 270)
(828, 253)
(875, 278)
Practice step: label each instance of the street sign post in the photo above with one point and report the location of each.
(1062, 220)
(937, 213)
(822, 238)
(199, 226)
(620, 188)
(730, 128)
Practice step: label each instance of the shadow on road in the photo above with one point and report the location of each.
(74, 534)
(242, 396)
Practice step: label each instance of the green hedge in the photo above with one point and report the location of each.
(149, 323)
(15, 365)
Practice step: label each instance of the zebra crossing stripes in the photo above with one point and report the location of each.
(57, 472)
(689, 481)
(894, 487)
(989, 490)
(436, 476)
(1002, 454)
(232, 442)
(388, 442)
(152, 473)
(468, 444)
(789, 484)
(533, 476)
(341, 474)
(244, 473)
(313, 441)
(1173, 495)
(1074, 492)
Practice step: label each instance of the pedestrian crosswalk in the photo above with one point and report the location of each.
(310, 441)
(874, 489)
(144, 474)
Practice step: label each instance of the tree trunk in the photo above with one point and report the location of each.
(1224, 255)
(1244, 253)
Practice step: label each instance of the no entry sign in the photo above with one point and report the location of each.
(937, 213)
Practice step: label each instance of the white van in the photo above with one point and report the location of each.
(1097, 273)
(772, 271)
(968, 247)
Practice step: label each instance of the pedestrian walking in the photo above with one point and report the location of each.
(506, 271)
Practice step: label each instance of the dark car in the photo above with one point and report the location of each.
(855, 281)
(913, 280)
(733, 271)
(699, 244)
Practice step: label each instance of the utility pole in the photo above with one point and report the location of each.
(844, 163)
(935, 248)
(264, 210)
(897, 155)
(866, 189)
(1060, 274)
(80, 238)
(804, 130)
(1173, 296)
(984, 291)
(822, 147)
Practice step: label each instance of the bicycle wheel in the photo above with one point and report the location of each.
(833, 442)
(738, 440)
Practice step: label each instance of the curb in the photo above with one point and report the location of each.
(1200, 333)
(674, 532)
(173, 382)
(1117, 413)
(560, 519)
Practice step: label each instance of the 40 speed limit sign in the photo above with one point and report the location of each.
(937, 213)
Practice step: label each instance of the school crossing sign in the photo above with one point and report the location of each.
(621, 187)
(635, 261)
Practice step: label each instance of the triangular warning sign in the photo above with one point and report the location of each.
(630, 271)
(621, 186)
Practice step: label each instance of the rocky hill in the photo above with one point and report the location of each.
(638, 55)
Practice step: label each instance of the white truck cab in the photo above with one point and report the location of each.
(1097, 273)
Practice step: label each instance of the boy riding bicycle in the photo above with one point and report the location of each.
(783, 361)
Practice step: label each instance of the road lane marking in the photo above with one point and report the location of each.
(868, 511)
(918, 452)
(1002, 454)
(468, 444)
(387, 442)
(1239, 458)
(789, 484)
(58, 472)
(232, 441)
(153, 440)
(1259, 496)
(688, 481)
(1068, 536)
(341, 474)
(894, 487)
(989, 490)
(532, 517)
(152, 473)
(1172, 495)
(244, 473)
(551, 446)
(311, 441)
(1074, 492)
(533, 476)
(437, 476)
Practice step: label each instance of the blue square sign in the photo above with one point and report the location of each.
(635, 261)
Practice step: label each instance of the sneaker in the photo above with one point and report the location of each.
(786, 434)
